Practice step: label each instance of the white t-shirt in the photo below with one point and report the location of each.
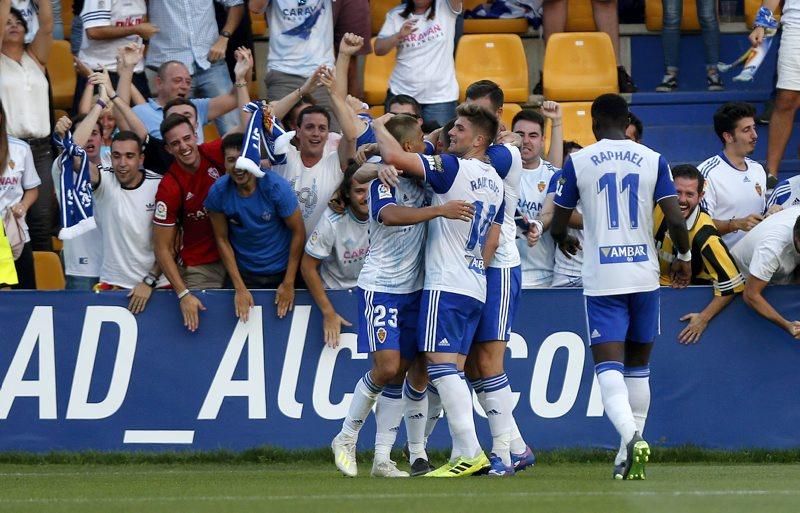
(454, 248)
(425, 67)
(618, 183)
(18, 176)
(394, 262)
(314, 186)
(538, 261)
(341, 241)
(31, 16)
(732, 193)
(767, 251)
(790, 13)
(300, 35)
(97, 53)
(786, 193)
(125, 217)
(507, 254)
(23, 91)
(82, 255)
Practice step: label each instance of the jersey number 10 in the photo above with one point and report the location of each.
(608, 184)
(480, 225)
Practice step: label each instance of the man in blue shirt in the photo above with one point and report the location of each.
(258, 228)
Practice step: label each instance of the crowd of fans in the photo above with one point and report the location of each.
(173, 211)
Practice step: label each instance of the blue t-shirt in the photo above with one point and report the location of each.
(256, 228)
(151, 115)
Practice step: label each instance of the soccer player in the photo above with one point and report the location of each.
(736, 186)
(770, 254)
(455, 282)
(712, 263)
(390, 289)
(618, 182)
(257, 228)
(786, 194)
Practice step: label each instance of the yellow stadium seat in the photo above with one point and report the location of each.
(580, 17)
(497, 57)
(210, 132)
(579, 66)
(66, 17)
(500, 26)
(751, 7)
(378, 10)
(62, 75)
(58, 244)
(577, 123)
(654, 15)
(509, 111)
(377, 111)
(258, 24)
(377, 71)
(49, 273)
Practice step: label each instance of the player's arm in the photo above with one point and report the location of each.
(395, 215)
(242, 299)
(681, 270)
(753, 297)
(284, 296)
(394, 154)
(564, 202)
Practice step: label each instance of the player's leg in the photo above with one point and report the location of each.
(637, 380)
(416, 416)
(447, 324)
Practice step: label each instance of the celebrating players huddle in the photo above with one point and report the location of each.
(428, 316)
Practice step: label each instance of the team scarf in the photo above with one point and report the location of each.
(77, 203)
(254, 137)
(752, 59)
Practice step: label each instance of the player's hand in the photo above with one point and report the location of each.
(146, 30)
(365, 151)
(691, 333)
(507, 137)
(794, 329)
(190, 308)
(457, 209)
(284, 298)
(62, 126)
(774, 209)
(244, 63)
(218, 49)
(408, 27)
(389, 175)
(551, 110)
(748, 223)
(569, 245)
(756, 36)
(350, 44)
(533, 235)
(242, 303)
(332, 327)
(680, 273)
(139, 295)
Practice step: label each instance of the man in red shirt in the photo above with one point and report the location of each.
(179, 203)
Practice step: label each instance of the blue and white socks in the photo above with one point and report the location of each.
(364, 397)
(457, 402)
(416, 419)
(615, 398)
(637, 380)
(388, 414)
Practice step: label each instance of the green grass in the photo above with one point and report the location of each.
(312, 486)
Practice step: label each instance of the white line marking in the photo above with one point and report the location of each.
(158, 436)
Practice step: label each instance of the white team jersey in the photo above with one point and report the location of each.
(18, 176)
(314, 186)
(618, 183)
(341, 241)
(394, 262)
(453, 250)
(786, 193)
(571, 266)
(99, 53)
(537, 262)
(83, 255)
(301, 35)
(732, 193)
(125, 217)
(507, 254)
(767, 251)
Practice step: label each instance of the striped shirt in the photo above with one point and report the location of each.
(188, 30)
(712, 263)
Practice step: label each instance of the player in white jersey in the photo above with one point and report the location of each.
(736, 186)
(455, 282)
(484, 366)
(786, 194)
(390, 289)
(619, 182)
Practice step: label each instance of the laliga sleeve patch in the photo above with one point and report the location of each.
(384, 192)
(434, 162)
(161, 211)
(314, 237)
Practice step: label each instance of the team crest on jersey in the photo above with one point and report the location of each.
(541, 186)
(314, 237)
(11, 164)
(758, 188)
(435, 163)
(161, 211)
(381, 335)
(213, 173)
(384, 192)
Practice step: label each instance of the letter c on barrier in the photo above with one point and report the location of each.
(322, 381)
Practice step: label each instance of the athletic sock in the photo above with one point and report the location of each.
(364, 396)
(499, 406)
(615, 398)
(434, 410)
(416, 417)
(388, 414)
(457, 402)
(518, 445)
(637, 380)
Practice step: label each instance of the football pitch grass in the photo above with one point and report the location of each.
(316, 486)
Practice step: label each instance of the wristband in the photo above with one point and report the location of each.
(101, 103)
(183, 294)
(685, 257)
(765, 19)
(113, 98)
(539, 225)
(240, 84)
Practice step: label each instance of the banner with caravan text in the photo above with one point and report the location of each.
(80, 372)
